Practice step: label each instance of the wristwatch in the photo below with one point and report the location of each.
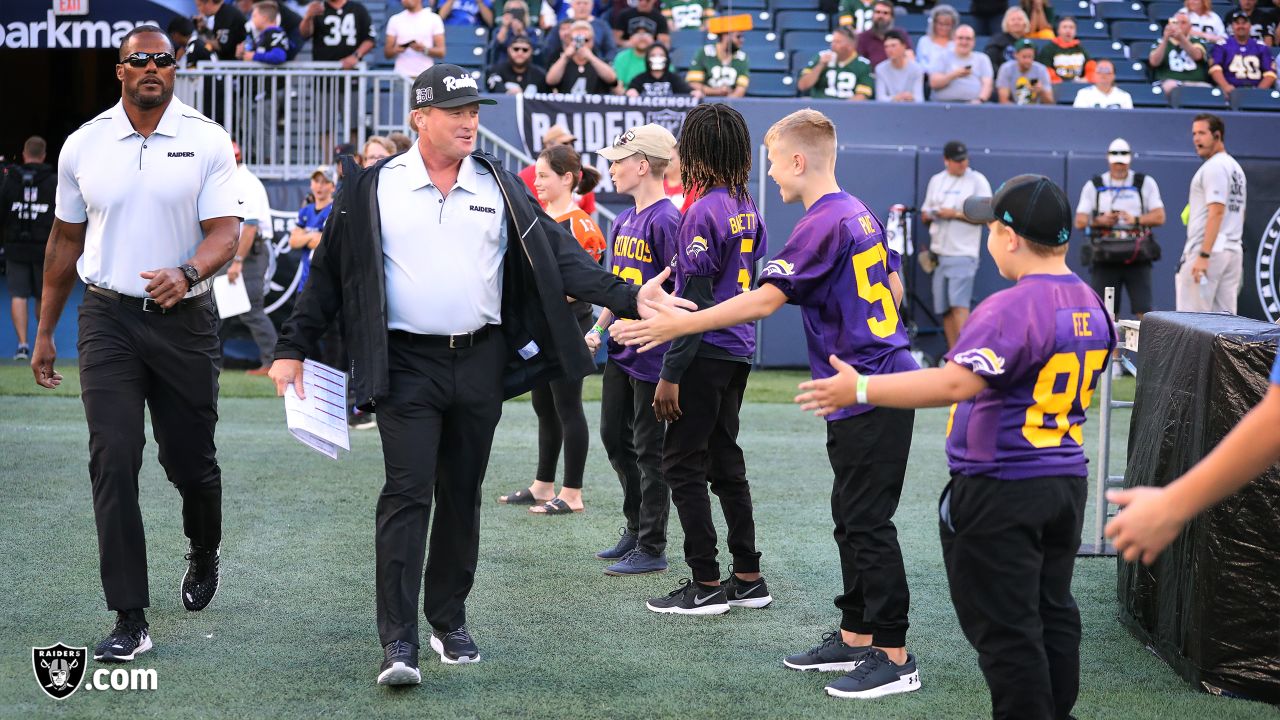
(192, 275)
(1205, 255)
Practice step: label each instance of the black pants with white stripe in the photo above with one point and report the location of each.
(437, 427)
(169, 363)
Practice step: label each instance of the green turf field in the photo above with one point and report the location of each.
(291, 633)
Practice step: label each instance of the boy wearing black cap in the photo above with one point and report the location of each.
(1019, 380)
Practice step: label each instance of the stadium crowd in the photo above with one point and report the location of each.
(1110, 55)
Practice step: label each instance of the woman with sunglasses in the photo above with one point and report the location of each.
(657, 80)
(559, 173)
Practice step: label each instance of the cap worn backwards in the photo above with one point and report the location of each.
(1032, 205)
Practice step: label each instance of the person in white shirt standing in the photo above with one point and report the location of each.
(1209, 276)
(415, 39)
(251, 261)
(952, 238)
(1103, 93)
(147, 210)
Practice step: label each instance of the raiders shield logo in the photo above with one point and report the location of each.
(59, 669)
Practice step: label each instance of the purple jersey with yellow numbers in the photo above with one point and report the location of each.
(1041, 346)
(836, 267)
(643, 245)
(721, 237)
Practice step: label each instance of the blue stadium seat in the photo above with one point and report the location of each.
(1065, 93)
(1081, 9)
(1133, 30)
(781, 5)
(808, 40)
(1120, 11)
(1109, 49)
(745, 6)
(689, 38)
(465, 35)
(771, 84)
(1275, 51)
(757, 41)
(913, 25)
(682, 55)
(801, 20)
(1140, 50)
(1145, 94)
(472, 57)
(1161, 11)
(961, 6)
(774, 61)
(1255, 99)
(1197, 97)
(1134, 71)
(800, 58)
(1087, 29)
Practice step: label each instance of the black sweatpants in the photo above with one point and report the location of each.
(1010, 549)
(702, 447)
(437, 428)
(562, 421)
(168, 362)
(868, 454)
(632, 437)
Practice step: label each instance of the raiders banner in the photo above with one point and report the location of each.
(595, 120)
(1260, 290)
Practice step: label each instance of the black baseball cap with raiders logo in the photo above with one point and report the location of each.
(1033, 205)
(447, 86)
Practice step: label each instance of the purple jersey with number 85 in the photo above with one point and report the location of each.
(1041, 346)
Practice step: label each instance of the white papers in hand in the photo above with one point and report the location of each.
(232, 298)
(319, 420)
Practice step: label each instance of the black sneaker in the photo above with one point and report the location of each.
(399, 664)
(746, 593)
(200, 583)
(877, 676)
(127, 640)
(23, 353)
(455, 647)
(692, 598)
(626, 543)
(831, 655)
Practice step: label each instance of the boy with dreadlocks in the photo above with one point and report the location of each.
(703, 376)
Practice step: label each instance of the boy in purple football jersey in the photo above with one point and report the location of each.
(1021, 376)
(703, 377)
(643, 245)
(1241, 60)
(837, 267)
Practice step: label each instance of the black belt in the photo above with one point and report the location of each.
(146, 304)
(456, 341)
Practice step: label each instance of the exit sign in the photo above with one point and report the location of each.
(70, 7)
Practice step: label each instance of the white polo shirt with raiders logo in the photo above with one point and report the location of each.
(144, 198)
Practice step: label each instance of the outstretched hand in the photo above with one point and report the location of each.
(666, 324)
(827, 395)
(651, 294)
(1145, 525)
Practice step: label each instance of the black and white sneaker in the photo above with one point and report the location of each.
(692, 598)
(127, 640)
(399, 664)
(455, 647)
(200, 583)
(23, 353)
(877, 676)
(831, 655)
(746, 593)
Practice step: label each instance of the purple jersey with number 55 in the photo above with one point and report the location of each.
(721, 237)
(644, 243)
(1041, 346)
(836, 267)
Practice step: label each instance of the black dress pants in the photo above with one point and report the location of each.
(1010, 550)
(701, 448)
(868, 453)
(168, 362)
(632, 437)
(437, 429)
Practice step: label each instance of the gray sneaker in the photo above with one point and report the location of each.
(831, 655)
(877, 676)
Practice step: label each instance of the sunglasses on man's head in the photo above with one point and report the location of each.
(520, 48)
(140, 59)
(1118, 153)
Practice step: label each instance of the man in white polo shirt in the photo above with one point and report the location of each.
(147, 210)
(450, 282)
(954, 240)
(1213, 259)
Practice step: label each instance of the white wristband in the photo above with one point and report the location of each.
(862, 389)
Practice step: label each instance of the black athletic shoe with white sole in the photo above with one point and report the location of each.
(399, 664)
(746, 593)
(127, 640)
(455, 647)
(200, 583)
(831, 655)
(877, 676)
(692, 598)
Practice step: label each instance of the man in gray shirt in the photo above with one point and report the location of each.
(961, 75)
(899, 79)
(1022, 80)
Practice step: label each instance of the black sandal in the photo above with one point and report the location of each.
(555, 506)
(519, 497)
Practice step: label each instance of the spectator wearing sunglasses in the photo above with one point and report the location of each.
(147, 210)
(516, 74)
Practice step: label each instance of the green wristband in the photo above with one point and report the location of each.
(862, 389)
(597, 330)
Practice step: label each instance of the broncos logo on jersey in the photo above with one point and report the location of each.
(779, 267)
(696, 246)
(982, 361)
